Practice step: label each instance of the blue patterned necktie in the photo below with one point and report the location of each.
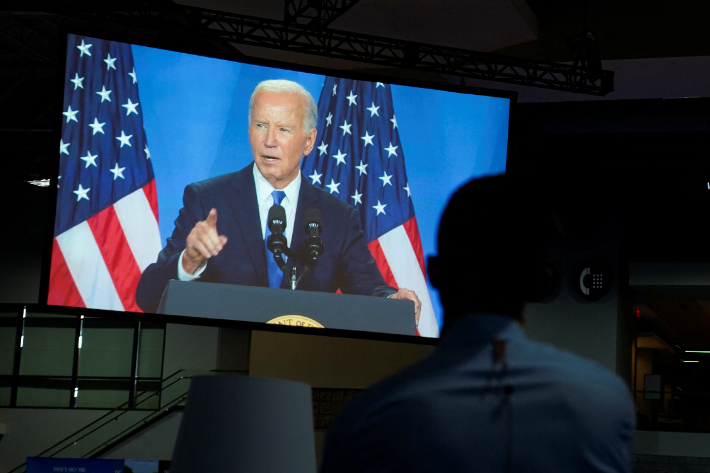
(275, 273)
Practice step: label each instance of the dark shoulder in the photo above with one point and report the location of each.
(232, 179)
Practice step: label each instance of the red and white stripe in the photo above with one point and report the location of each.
(400, 258)
(98, 263)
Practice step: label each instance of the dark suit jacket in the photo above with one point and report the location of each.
(346, 264)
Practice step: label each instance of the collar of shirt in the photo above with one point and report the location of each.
(266, 200)
(481, 328)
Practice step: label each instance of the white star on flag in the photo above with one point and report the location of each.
(97, 127)
(315, 177)
(104, 94)
(71, 114)
(89, 159)
(333, 187)
(117, 182)
(340, 157)
(406, 188)
(362, 168)
(346, 128)
(133, 75)
(110, 62)
(391, 150)
(78, 81)
(124, 139)
(323, 148)
(84, 48)
(81, 193)
(380, 208)
(117, 172)
(130, 107)
(63, 147)
(391, 230)
(368, 138)
(147, 152)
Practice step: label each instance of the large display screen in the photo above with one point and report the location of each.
(140, 124)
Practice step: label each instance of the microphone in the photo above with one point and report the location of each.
(313, 226)
(276, 243)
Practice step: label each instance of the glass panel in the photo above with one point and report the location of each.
(5, 395)
(5, 391)
(44, 392)
(106, 348)
(47, 351)
(8, 341)
(108, 393)
(150, 357)
(148, 397)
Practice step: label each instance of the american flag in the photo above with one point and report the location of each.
(359, 158)
(106, 228)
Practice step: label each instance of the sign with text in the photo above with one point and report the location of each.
(73, 465)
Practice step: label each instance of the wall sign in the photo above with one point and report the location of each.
(592, 281)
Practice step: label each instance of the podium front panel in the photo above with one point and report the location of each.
(260, 304)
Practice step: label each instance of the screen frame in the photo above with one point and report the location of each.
(395, 78)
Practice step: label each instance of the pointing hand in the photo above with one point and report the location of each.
(203, 242)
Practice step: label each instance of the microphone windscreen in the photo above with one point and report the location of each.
(278, 214)
(313, 218)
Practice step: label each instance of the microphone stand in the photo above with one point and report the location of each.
(292, 257)
(295, 278)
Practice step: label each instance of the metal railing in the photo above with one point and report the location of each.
(117, 425)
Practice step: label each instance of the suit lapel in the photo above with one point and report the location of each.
(246, 214)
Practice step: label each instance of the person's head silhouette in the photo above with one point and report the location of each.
(492, 241)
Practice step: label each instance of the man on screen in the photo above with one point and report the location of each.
(220, 232)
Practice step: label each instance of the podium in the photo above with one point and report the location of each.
(261, 304)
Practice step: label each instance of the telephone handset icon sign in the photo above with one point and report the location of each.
(593, 281)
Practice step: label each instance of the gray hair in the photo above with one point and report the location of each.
(280, 86)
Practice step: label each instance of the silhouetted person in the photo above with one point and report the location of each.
(488, 399)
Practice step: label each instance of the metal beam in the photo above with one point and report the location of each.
(315, 13)
(241, 29)
(230, 29)
(204, 30)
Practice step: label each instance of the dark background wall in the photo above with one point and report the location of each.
(23, 240)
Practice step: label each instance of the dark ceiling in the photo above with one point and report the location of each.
(625, 30)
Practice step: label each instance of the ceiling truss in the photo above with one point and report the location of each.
(304, 32)
(315, 13)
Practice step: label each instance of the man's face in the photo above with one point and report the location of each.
(277, 138)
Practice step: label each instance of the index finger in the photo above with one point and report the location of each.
(211, 219)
